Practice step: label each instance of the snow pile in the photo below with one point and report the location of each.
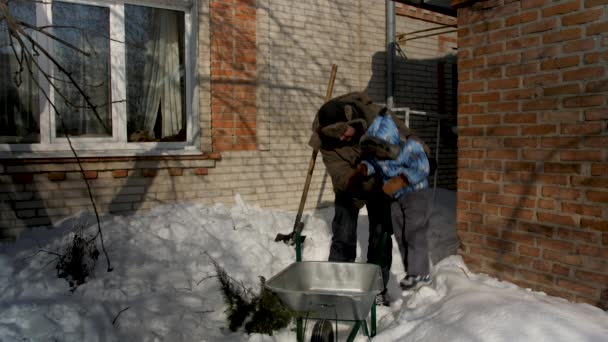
(163, 287)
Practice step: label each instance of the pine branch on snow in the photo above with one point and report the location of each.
(265, 311)
(235, 298)
(78, 261)
(269, 314)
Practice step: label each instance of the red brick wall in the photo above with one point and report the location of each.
(533, 137)
(233, 74)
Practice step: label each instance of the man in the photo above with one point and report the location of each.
(337, 128)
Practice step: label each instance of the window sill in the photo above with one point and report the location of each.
(104, 156)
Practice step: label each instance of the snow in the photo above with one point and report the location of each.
(162, 287)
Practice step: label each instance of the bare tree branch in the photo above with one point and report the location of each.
(118, 314)
(205, 278)
(51, 78)
(38, 252)
(54, 37)
(78, 161)
(39, 69)
(76, 85)
(15, 31)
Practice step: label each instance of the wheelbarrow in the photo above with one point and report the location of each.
(329, 292)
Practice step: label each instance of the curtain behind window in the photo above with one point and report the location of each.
(19, 101)
(155, 82)
(86, 27)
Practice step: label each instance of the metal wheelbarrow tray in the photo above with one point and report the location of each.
(328, 290)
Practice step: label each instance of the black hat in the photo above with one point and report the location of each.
(331, 113)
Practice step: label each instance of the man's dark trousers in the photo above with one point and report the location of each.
(344, 230)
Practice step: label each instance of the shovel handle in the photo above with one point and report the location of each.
(313, 158)
(332, 80)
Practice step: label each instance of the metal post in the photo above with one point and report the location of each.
(390, 52)
(437, 142)
(440, 109)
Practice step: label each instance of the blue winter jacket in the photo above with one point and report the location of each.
(411, 160)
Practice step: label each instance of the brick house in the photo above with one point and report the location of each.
(200, 100)
(243, 79)
(533, 131)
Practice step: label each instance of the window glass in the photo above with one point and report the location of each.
(67, 83)
(155, 74)
(19, 101)
(88, 62)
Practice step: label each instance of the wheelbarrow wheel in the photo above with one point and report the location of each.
(322, 332)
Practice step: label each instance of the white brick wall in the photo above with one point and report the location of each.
(297, 43)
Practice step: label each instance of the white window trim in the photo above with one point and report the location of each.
(117, 145)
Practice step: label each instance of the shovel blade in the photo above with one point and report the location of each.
(283, 237)
(288, 238)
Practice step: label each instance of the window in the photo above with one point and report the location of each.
(108, 76)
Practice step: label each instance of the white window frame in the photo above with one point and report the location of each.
(51, 146)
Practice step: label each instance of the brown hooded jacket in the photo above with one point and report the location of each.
(341, 158)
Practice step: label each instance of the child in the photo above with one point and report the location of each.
(404, 167)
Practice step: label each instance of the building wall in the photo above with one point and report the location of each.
(263, 69)
(297, 45)
(532, 157)
(425, 81)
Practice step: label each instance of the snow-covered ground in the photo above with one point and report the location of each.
(163, 287)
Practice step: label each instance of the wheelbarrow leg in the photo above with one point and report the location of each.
(353, 332)
(379, 262)
(373, 321)
(365, 330)
(299, 329)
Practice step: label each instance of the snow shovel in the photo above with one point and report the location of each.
(294, 237)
